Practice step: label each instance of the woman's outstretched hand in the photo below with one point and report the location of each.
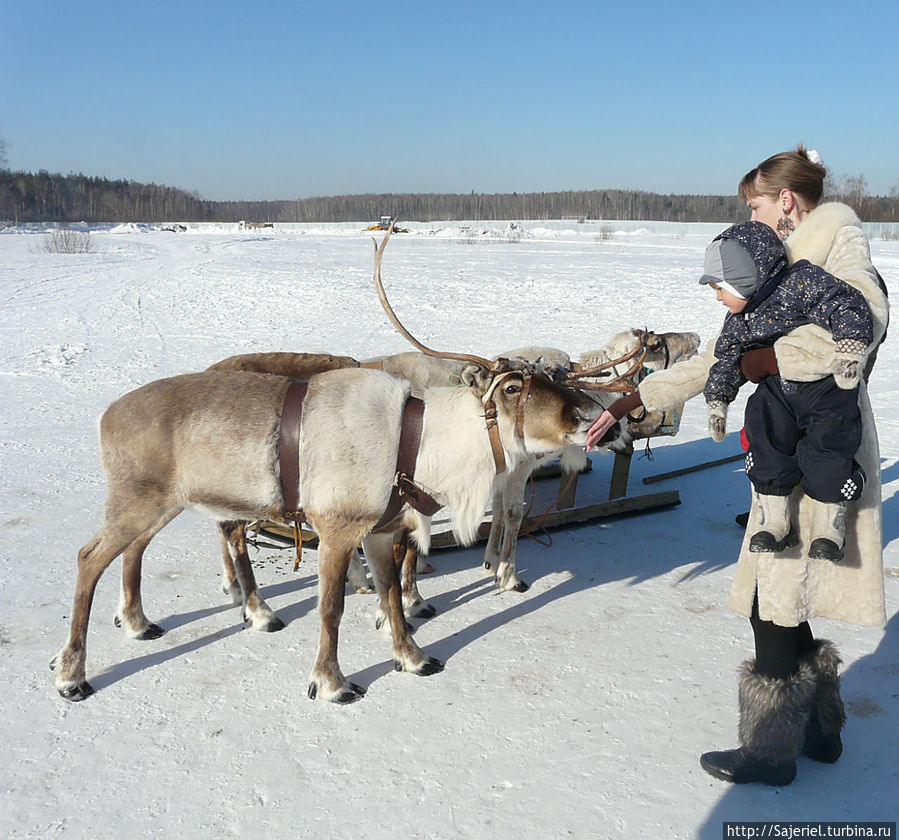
(599, 428)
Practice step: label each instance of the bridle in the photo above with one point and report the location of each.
(490, 413)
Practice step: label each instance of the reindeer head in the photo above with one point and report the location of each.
(664, 349)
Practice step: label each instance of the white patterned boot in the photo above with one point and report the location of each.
(775, 533)
(829, 531)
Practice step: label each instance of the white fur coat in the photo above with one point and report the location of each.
(791, 587)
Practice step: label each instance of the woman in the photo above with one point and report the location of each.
(790, 693)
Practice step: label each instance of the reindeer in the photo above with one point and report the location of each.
(626, 359)
(186, 442)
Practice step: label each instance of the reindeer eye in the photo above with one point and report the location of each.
(511, 389)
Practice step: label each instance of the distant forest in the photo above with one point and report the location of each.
(51, 197)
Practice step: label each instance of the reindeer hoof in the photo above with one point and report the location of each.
(151, 631)
(76, 693)
(349, 695)
(429, 666)
(154, 631)
(272, 626)
(521, 586)
(421, 609)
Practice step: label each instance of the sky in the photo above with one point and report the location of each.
(286, 100)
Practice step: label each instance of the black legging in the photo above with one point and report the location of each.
(777, 649)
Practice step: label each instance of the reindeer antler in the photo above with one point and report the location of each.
(382, 296)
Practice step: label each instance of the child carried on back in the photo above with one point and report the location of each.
(800, 433)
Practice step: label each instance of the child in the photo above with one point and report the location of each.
(799, 432)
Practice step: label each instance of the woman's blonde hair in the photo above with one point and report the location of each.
(786, 170)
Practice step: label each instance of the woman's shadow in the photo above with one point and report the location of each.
(861, 785)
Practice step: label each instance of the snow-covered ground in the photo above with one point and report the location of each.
(576, 709)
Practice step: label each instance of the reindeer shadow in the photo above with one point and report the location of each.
(630, 544)
(861, 785)
(129, 667)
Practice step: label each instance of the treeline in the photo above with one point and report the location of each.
(428, 207)
(48, 197)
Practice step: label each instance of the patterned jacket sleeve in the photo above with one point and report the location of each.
(725, 376)
(839, 308)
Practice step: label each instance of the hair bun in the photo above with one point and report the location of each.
(814, 157)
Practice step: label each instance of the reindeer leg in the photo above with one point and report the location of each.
(407, 655)
(512, 509)
(356, 576)
(230, 586)
(495, 538)
(335, 548)
(382, 616)
(125, 521)
(255, 611)
(405, 556)
(130, 611)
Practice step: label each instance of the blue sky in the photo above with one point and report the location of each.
(282, 100)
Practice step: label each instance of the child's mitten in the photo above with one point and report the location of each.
(717, 420)
(846, 360)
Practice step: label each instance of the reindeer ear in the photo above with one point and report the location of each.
(476, 377)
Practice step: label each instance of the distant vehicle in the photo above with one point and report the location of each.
(384, 224)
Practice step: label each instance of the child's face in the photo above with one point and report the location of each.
(735, 304)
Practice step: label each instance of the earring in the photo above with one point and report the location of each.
(785, 227)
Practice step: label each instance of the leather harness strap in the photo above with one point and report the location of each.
(404, 487)
(289, 449)
(289, 460)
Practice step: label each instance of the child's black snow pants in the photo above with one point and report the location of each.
(804, 433)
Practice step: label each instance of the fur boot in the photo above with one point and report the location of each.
(829, 531)
(775, 533)
(822, 737)
(774, 716)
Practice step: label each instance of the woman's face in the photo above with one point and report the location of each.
(767, 209)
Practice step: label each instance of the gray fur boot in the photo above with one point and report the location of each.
(822, 737)
(774, 716)
(829, 531)
(775, 533)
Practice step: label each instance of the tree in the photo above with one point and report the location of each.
(4, 148)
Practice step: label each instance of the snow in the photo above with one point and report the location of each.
(578, 708)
